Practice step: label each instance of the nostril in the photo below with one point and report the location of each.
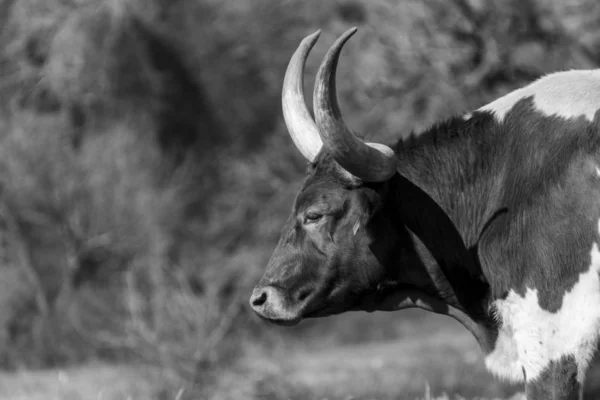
(259, 299)
(303, 294)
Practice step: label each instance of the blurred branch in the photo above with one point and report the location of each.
(468, 12)
(5, 9)
(20, 243)
(220, 331)
(486, 55)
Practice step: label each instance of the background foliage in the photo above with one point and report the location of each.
(145, 170)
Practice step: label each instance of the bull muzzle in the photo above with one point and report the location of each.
(272, 304)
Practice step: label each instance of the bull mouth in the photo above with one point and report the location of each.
(295, 320)
(282, 321)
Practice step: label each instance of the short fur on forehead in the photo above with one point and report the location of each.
(324, 169)
(326, 172)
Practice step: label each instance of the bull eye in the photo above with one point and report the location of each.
(312, 217)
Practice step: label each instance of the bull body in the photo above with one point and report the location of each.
(491, 218)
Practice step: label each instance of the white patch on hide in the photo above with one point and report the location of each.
(530, 337)
(597, 171)
(566, 94)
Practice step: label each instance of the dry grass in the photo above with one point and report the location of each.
(431, 352)
(442, 363)
(88, 382)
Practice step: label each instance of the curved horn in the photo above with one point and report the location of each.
(371, 162)
(297, 118)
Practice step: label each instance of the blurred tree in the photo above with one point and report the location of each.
(146, 170)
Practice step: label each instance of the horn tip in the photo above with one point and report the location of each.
(315, 34)
(347, 35)
(311, 39)
(351, 31)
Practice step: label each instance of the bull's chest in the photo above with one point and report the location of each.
(530, 337)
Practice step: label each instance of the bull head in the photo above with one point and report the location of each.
(331, 254)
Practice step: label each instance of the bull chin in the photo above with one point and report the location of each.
(285, 322)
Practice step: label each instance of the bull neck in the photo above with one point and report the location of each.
(442, 198)
(458, 288)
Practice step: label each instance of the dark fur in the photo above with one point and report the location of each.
(557, 382)
(478, 208)
(524, 181)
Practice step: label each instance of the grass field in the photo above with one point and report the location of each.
(435, 358)
(89, 382)
(434, 354)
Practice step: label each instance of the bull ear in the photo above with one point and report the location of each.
(372, 199)
(369, 203)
